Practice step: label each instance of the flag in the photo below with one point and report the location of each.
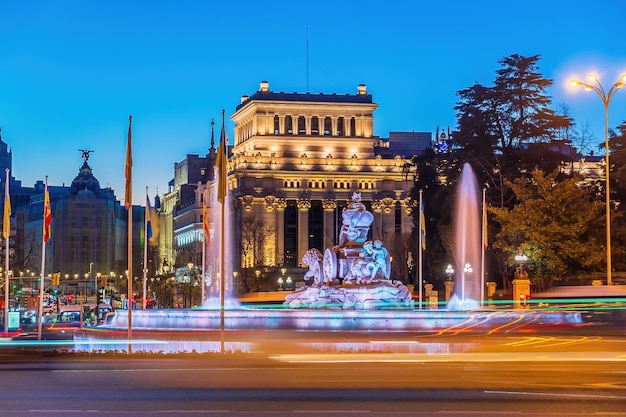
(220, 163)
(6, 224)
(148, 219)
(422, 225)
(128, 197)
(152, 223)
(205, 221)
(47, 215)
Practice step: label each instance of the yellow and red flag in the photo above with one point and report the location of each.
(205, 221)
(220, 163)
(47, 215)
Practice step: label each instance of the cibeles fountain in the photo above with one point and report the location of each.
(348, 288)
(355, 274)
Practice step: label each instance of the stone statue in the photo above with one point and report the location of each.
(313, 259)
(381, 259)
(354, 274)
(85, 154)
(356, 221)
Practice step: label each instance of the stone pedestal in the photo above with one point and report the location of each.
(491, 291)
(521, 293)
(431, 297)
(449, 289)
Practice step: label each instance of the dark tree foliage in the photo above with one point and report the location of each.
(507, 129)
(436, 198)
(558, 224)
(617, 159)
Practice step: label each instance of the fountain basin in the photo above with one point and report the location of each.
(330, 320)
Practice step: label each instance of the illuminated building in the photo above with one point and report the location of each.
(296, 160)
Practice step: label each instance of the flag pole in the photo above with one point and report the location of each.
(204, 242)
(145, 252)
(221, 196)
(6, 231)
(44, 239)
(128, 202)
(484, 248)
(419, 253)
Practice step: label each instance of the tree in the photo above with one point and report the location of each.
(559, 225)
(255, 234)
(617, 146)
(508, 129)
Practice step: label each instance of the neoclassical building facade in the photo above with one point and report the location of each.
(296, 161)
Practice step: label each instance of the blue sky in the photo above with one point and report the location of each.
(72, 71)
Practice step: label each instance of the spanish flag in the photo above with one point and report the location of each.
(220, 163)
(47, 215)
(128, 196)
(205, 221)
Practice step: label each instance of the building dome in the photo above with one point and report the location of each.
(85, 181)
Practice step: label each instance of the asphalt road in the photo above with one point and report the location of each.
(524, 371)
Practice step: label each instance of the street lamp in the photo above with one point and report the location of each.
(606, 99)
(521, 258)
(449, 272)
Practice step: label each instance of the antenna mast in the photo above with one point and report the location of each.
(307, 59)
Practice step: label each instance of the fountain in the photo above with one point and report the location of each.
(353, 275)
(350, 290)
(467, 249)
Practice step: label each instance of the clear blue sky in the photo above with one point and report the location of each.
(72, 71)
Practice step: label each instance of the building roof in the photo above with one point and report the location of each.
(264, 93)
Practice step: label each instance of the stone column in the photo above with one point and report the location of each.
(491, 291)
(358, 126)
(329, 227)
(307, 125)
(303, 227)
(377, 224)
(449, 289)
(281, 124)
(388, 217)
(281, 205)
(333, 126)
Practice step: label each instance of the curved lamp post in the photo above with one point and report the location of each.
(606, 97)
